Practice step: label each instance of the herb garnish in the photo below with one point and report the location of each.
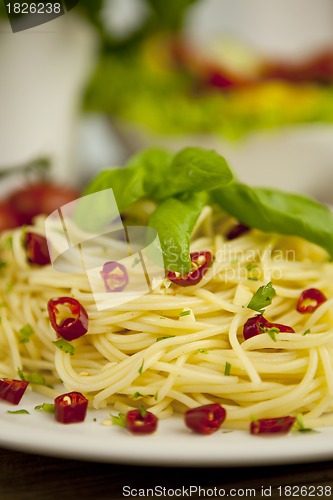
(227, 369)
(165, 337)
(119, 419)
(262, 298)
(140, 370)
(250, 274)
(185, 313)
(65, 346)
(272, 332)
(301, 427)
(182, 183)
(33, 377)
(137, 395)
(24, 334)
(47, 407)
(19, 412)
(143, 411)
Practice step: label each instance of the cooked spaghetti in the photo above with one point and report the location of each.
(180, 347)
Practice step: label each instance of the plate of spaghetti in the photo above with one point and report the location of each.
(227, 357)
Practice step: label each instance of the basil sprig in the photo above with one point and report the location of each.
(182, 183)
(157, 174)
(177, 183)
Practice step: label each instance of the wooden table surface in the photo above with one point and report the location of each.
(24, 477)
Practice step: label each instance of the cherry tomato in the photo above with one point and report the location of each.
(41, 197)
(8, 218)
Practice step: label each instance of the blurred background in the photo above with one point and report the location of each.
(253, 80)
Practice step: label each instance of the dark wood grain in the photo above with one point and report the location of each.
(24, 477)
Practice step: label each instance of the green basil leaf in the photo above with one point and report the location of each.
(192, 170)
(154, 173)
(277, 211)
(174, 220)
(127, 185)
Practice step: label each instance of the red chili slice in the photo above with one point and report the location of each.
(258, 324)
(12, 390)
(70, 408)
(68, 317)
(115, 276)
(205, 419)
(36, 249)
(200, 262)
(141, 422)
(237, 231)
(272, 425)
(310, 300)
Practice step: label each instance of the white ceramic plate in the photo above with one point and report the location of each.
(171, 445)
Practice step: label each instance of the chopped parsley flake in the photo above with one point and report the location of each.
(253, 276)
(250, 267)
(143, 411)
(262, 298)
(227, 369)
(203, 351)
(137, 395)
(65, 346)
(164, 338)
(306, 332)
(118, 419)
(47, 407)
(141, 367)
(185, 313)
(33, 377)
(21, 374)
(18, 412)
(301, 427)
(24, 334)
(272, 332)
(3, 264)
